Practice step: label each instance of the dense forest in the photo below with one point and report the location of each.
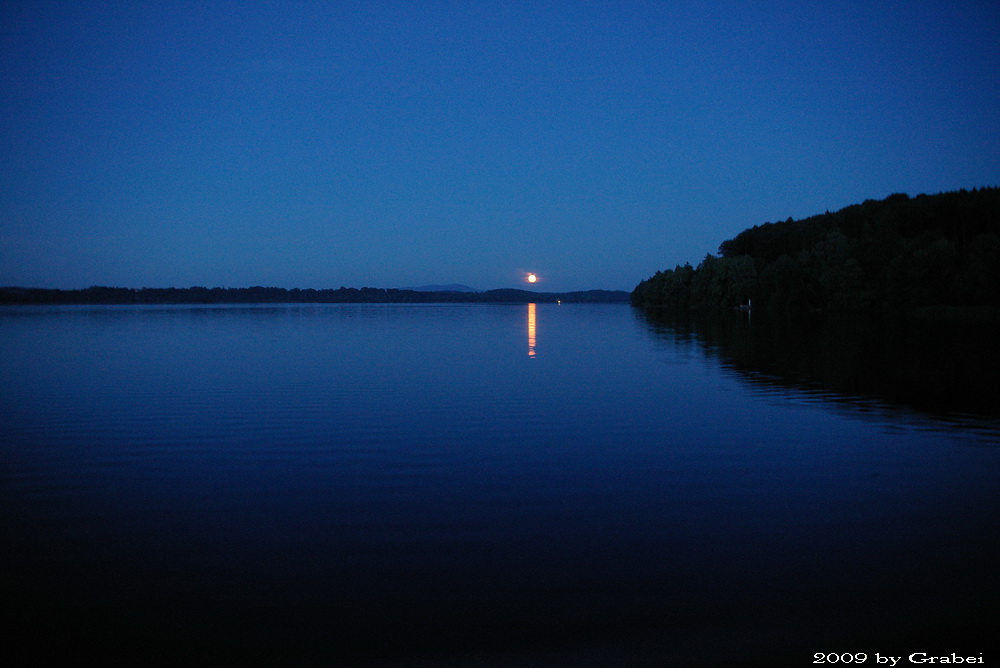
(929, 255)
(262, 295)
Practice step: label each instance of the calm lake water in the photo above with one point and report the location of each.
(502, 484)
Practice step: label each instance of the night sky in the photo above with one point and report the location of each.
(328, 143)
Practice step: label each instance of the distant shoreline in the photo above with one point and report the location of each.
(263, 295)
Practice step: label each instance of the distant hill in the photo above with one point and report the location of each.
(930, 255)
(264, 295)
(451, 287)
(580, 297)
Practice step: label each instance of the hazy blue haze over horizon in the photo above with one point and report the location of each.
(316, 144)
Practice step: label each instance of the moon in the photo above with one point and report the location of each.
(532, 278)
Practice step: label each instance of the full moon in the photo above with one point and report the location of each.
(532, 278)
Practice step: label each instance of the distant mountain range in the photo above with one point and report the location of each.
(451, 287)
(265, 295)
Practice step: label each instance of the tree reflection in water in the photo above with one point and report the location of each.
(944, 371)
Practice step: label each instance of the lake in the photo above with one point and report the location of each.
(551, 484)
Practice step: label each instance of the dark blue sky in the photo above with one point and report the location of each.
(328, 143)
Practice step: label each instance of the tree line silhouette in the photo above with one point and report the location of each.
(930, 254)
(265, 295)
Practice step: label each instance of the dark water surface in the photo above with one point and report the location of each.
(507, 485)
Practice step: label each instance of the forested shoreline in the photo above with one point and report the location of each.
(271, 295)
(925, 255)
